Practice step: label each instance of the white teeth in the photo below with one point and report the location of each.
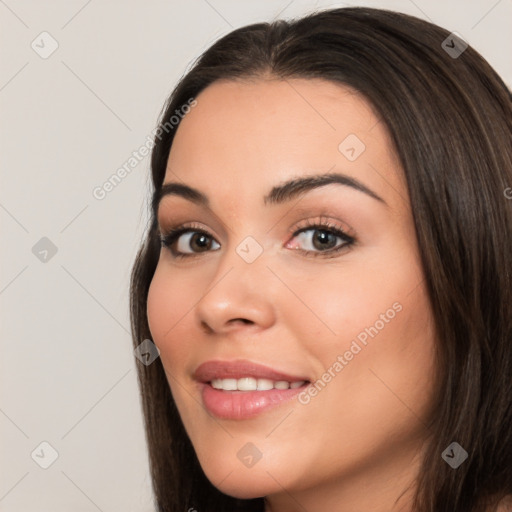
(247, 384)
(229, 384)
(265, 384)
(252, 384)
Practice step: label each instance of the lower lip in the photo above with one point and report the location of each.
(241, 405)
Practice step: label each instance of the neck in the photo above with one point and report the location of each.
(385, 487)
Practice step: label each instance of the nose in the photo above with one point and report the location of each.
(241, 295)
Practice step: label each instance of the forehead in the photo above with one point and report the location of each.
(249, 136)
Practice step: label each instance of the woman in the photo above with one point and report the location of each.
(327, 273)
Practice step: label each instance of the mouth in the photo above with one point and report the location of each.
(254, 384)
(241, 389)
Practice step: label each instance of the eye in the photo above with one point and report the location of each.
(188, 241)
(320, 239)
(314, 239)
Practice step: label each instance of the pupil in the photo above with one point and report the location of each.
(322, 237)
(201, 240)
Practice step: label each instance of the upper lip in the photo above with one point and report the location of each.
(239, 368)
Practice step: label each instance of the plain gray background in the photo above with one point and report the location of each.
(68, 122)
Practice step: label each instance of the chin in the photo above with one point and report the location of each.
(248, 487)
(244, 483)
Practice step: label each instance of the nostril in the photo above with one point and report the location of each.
(206, 327)
(243, 320)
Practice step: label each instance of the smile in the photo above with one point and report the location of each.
(240, 390)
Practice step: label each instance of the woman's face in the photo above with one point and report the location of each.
(320, 282)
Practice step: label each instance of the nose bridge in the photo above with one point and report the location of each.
(238, 289)
(247, 247)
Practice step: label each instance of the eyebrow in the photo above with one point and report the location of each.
(278, 194)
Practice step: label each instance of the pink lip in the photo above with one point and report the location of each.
(239, 405)
(238, 369)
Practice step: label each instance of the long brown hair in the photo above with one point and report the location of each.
(450, 119)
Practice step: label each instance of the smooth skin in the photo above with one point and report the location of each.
(357, 444)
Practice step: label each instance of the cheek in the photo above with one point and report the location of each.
(337, 303)
(375, 314)
(167, 312)
(386, 340)
(160, 307)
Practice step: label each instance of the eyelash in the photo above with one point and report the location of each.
(172, 235)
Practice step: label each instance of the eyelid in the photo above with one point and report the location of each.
(168, 219)
(164, 229)
(325, 221)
